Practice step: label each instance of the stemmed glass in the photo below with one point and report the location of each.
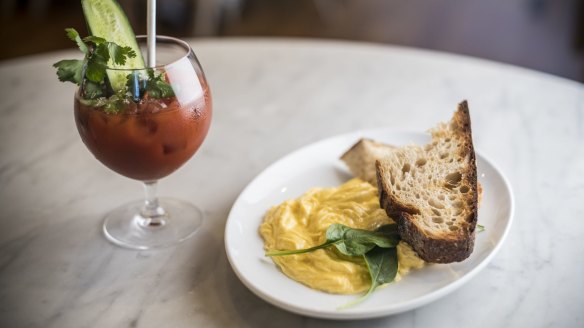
(145, 135)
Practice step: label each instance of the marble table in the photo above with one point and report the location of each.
(272, 96)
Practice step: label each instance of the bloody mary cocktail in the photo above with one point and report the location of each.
(148, 140)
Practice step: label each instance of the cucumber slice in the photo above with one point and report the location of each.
(106, 19)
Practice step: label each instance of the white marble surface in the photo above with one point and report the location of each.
(271, 97)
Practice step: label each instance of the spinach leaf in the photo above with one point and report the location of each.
(356, 242)
(378, 249)
(352, 242)
(382, 265)
(300, 251)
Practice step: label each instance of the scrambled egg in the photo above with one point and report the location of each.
(302, 223)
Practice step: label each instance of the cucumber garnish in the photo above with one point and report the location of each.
(106, 19)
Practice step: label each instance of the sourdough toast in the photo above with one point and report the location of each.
(361, 157)
(431, 191)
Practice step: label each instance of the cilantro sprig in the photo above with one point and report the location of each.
(96, 88)
(153, 84)
(98, 53)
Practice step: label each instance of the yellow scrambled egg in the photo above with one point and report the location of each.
(302, 223)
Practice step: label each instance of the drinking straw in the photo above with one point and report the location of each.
(151, 31)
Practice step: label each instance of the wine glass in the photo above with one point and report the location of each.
(151, 125)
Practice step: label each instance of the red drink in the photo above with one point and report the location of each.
(142, 121)
(149, 139)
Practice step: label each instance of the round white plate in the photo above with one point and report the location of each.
(318, 165)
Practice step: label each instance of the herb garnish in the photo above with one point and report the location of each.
(382, 265)
(98, 90)
(378, 249)
(155, 85)
(352, 242)
(98, 53)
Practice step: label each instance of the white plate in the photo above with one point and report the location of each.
(318, 165)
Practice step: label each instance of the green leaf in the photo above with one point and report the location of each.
(382, 264)
(336, 231)
(114, 105)
(356, 242)
(94, 39)
(151, 73)
(98, 53)
(95, 71)
(157, 87)
(154, 92)
(164, 88)
(92, 90)
(97, 64)
(119, 54)
(299, 251)
(378, 249)
(70, 70)
(101, 52)
(388, 229)
(74, 36)
(480, 228)
(352, 242)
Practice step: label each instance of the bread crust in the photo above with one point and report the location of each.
(446, 248)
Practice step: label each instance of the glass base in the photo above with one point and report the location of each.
(174, 222)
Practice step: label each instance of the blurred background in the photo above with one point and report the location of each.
(545, 35)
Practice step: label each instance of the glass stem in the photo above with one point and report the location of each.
(152, 214)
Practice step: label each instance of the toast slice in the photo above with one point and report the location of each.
(431, 191)
(361, 157)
